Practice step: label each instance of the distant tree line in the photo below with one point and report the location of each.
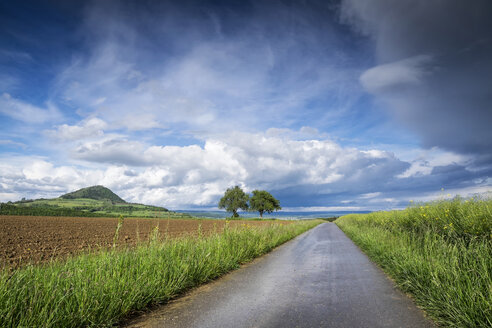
(81, 211)
(260, 201)
(7, 209)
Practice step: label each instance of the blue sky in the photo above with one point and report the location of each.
(344, 105)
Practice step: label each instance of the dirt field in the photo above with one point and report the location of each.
(25, 239)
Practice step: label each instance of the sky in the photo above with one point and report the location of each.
(328, 105)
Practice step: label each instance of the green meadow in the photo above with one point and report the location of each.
(439, 252)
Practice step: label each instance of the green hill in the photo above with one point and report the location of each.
(94, 192)
(92, 201)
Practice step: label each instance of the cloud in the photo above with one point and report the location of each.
(111, 150)
(301, 173)
(13, 143)
(433, 70)
(34, 177)
(25, 112)
(171, 104)
(233, 72)
(90, 127)
(8, 83)
(426, 160)
(15, 55)
(387, 78)
(251, 160)
(370, 195)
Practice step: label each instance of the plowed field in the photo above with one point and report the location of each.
(25, 239)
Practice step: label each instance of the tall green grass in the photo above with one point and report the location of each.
(98, 290)
(439, 252)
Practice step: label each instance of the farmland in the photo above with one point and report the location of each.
(25, 239)
(102, 288)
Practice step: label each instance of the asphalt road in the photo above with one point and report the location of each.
(319, 279)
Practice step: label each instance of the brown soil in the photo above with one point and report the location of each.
(38, 239)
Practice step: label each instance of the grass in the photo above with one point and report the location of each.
(99, 290)
(439, 252)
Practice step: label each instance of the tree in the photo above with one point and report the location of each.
(234, 199)
(262, 201)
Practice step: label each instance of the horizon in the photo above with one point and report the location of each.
(339, 104)
(331, 210)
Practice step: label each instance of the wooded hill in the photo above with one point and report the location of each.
(94, 192)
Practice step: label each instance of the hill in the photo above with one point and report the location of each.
(94, 192)
(96, 201)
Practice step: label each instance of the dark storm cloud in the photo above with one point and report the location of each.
(434, 67)
(377, 189)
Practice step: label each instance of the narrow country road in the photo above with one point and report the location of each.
(319, 279)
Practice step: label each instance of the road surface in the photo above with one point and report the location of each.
(319, 279)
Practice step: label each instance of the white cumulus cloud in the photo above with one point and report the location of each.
(87, 128)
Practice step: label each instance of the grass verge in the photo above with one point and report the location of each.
(440, 253)
(98, 290)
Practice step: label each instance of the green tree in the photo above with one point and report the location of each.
(262, 201)
(234, 199)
